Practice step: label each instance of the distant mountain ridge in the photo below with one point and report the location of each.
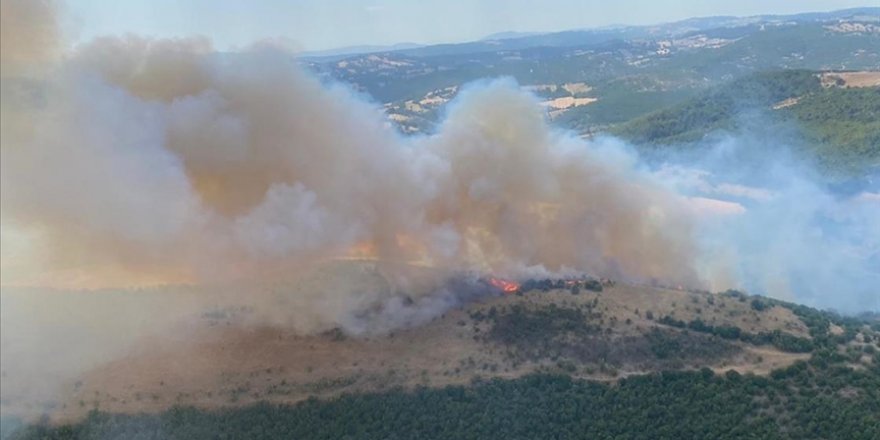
(357, 50)
(513, 40)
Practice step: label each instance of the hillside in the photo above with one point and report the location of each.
(838, 122)
(575, 337)
(660, 85)
(805, 401)
(630, 70)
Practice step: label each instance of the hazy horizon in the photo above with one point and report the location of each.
(311, 25)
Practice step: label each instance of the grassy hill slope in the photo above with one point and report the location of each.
(551, 361)
(833, 394)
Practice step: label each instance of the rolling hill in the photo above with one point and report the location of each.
(599, 352)
(631, 71)
(838, 124)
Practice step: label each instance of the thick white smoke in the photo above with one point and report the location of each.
(788, 233)
(163, 157)
(129, 161)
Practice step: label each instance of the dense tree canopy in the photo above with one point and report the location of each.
(839, 126)
(805, 401)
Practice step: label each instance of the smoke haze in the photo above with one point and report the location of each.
(133, 161)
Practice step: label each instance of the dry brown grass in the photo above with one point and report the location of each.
(210, 364)
(852, 79)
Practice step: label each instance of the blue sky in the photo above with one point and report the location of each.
(323, 24)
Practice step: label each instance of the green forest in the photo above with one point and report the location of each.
(809, 400)
(839, 126)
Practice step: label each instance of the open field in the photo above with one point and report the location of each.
(866, 78)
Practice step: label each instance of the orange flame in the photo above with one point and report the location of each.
(504, 285)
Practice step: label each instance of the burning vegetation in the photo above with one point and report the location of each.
(504, 285)
(575, 284)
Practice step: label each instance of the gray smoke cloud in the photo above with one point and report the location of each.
(162, 157)
(792, 233)
(131, 161)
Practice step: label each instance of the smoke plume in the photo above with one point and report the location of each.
(130, 161)
(162, 157)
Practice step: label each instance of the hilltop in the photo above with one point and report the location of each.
(744, 366)
(611, 333)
